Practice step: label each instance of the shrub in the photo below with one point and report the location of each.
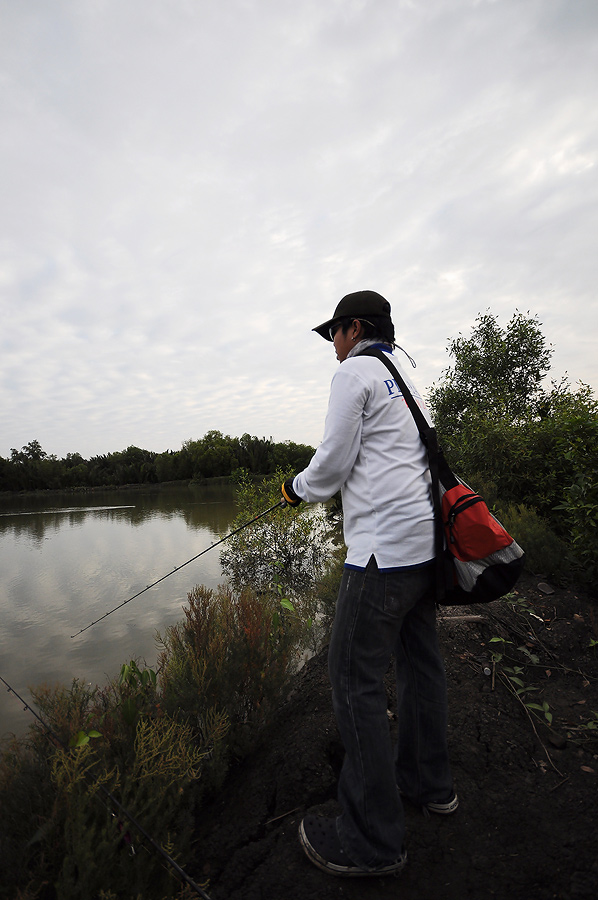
(580, 509)
(97, 843)
(65, 833)
(545, 552)
(288, 548)
(229, 661)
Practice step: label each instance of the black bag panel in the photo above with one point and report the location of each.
(491, 584)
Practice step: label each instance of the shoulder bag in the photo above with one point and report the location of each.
(477, 560)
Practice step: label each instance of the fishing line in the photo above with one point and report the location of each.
(281, 503)
(113, 801)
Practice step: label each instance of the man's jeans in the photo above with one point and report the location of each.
(379, 614)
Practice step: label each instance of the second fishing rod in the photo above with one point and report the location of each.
(281, 504)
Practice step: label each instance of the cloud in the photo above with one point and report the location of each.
(190, 188)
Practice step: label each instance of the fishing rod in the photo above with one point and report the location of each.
(281, 503)
(114, 802)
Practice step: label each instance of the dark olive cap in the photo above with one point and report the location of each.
(359, 305)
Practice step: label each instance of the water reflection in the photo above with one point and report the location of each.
(211, 506)
(36, 525)
(65, 563)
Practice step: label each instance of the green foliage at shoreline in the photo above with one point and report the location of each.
(289, 546)
(158, 740)
(157, 744)
(213, 456)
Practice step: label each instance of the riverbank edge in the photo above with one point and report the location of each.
(143, 486)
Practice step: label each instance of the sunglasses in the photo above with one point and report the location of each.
(334, 328)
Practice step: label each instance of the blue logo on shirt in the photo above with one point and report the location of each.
(394, 392)
(393, 388)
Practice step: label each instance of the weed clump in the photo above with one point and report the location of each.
(226, 665)
(69, 833)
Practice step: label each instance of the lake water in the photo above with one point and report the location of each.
(66, 559)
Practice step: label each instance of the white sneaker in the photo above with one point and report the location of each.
(443, 809)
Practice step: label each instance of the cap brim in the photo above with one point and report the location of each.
(324, 329)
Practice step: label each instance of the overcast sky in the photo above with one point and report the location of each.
(190, 186)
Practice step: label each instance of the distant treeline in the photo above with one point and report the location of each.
(214, 455)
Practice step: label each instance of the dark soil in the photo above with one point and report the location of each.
(527, 825)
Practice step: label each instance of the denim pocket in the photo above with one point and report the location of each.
(394, 599)
(402, 590)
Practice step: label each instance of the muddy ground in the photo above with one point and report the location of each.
(527, 825)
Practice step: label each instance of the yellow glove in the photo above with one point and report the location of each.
(289, 494)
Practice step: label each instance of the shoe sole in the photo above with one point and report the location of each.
(439, 809)
(346, 871)
(443, 809)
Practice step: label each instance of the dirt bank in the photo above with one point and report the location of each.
(527, 826)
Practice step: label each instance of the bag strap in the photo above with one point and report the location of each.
(429, 438)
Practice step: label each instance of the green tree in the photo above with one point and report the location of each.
(255, 454)
(523, 445)
(212, 456)
(292, 457)
(33, 469)
(497, 369)
(32, 451)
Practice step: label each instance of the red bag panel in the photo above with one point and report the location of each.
(471, 530)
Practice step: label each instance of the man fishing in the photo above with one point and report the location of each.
(372, 451)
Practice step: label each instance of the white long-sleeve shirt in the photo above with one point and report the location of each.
(372, 450)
